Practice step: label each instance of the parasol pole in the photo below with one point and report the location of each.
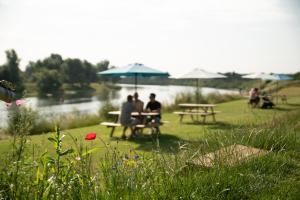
(135, 82)
(197, 97)
(277, 88)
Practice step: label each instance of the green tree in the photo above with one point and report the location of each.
(48, 82)
(10, 71)
(296, 76)
(53, 62)
(74, 71)
(90, 72)
(102, 66)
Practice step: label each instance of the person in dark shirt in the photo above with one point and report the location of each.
(154, 106)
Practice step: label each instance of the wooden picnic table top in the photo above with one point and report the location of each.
(134, 113)
(194, 105)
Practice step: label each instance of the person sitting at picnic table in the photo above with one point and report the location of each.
(125, 119)
(267, 101)
(254, 97)
(138, 107)
(138, 104)
(154, 106)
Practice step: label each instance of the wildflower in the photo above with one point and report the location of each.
(20, 102)
(136, 157)
(130, 163)
(90, 136)
(78, 158)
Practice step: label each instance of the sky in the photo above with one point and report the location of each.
(171, 35)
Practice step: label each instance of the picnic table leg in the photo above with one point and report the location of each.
(117, 119)
(181, 118)
(155, 130)
(204, 119)
(204, 116)
(192, 117)
(158, 130)
(112, 131)
(213, 114)
(190, 110)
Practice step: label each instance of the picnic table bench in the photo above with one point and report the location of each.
(202, 110)
(153, 126)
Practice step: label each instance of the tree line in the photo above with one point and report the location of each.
(51, 73)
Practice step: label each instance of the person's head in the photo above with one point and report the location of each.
(129, 98)
(256, 89)
(136, 96)
(152, 97)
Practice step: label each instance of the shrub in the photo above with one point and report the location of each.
(103, 112)
(24, 120)
(209, 98)
(220, 98)
(21, 120)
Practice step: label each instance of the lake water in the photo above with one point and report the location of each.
(91, 104)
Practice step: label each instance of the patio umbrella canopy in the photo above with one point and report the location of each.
(198, 74)
(135, 70)
(262, 76)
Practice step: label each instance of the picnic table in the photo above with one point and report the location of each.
(153, 126)
(202, 110)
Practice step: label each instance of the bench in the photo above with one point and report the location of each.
(195, 113)
(111, 125)
(153, 126)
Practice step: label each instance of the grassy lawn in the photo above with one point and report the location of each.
(161, 171)
(235, 114)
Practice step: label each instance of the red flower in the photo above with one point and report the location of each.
(90, 136)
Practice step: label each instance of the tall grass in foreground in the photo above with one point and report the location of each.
(74, 174)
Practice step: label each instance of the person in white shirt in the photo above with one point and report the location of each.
(125, 119)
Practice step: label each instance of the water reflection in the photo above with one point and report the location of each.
(107, 94)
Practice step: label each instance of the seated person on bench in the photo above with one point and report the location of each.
(254, 97)
(125, 119)
(154, 106)
(267, 101)
(138, 106)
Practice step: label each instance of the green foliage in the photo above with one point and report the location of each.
(77, 73)
(10, 71)
(21, 120)
(48, 81)
(220, 98)
(297, 76)
(200, 98)
(105, 108)
(190, 98)
(24, 120)
(53, 63)
(102, 66)
(74, 72)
